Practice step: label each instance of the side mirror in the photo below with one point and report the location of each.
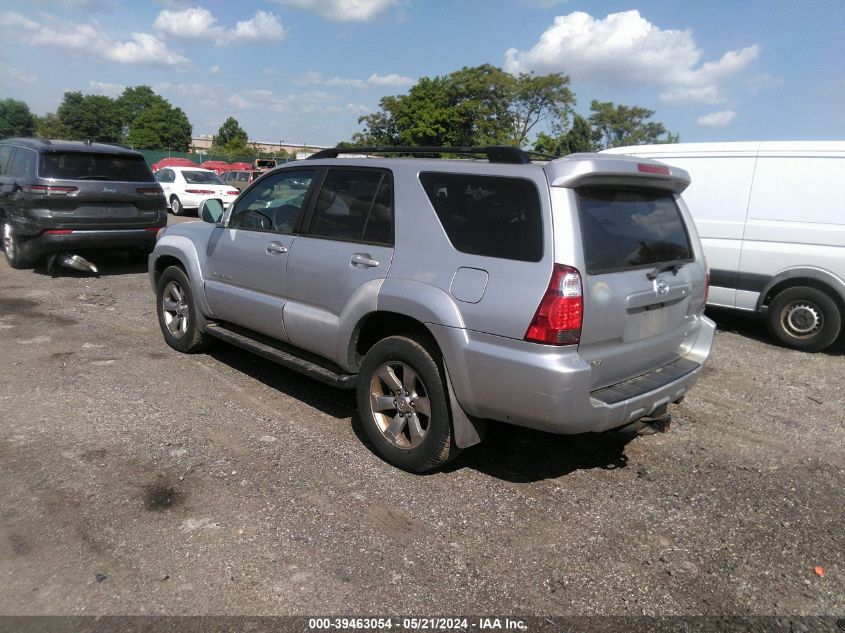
(211, 210)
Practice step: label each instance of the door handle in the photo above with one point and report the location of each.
(276, 248)
(363, 260)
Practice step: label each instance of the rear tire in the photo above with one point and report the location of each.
(12, 248)
(176, 206)
(804, 318)
(403, 405)
(177, 313)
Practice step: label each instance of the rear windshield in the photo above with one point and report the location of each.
(631, 228)
(486, 215)
(94, 166)
(202, 178)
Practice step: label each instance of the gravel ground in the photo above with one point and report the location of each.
(135, 480)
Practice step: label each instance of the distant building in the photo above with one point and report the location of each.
(204, 141)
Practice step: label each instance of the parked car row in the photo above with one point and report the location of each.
(218, 166)
(185, 187)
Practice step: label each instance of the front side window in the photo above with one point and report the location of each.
(491, 216)
(625, 228)
(94, 166)
(345, 203)
(274, 205)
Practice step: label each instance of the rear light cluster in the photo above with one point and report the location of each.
(50, 190)
(200, 192)
(58, 231)
(648, 168)
(558, 318)
(151, 191)
(232, 192)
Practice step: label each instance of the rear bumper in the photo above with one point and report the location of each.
(50, 243)
(549, 388)
(193, 201)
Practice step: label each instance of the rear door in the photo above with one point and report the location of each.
(107, 190)
(643, 283)
(245, 267)
(347, 244)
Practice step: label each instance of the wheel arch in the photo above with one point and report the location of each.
(180, 251)
(817, 278)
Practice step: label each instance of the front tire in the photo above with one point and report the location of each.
(403, 405)
(176, 206)
(177, 313)
(804, 318)
(12, 248)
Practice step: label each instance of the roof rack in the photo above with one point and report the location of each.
(494, 153)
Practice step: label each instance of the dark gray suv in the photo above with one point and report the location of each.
(57, 196)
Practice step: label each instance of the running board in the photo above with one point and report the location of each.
(273, 352)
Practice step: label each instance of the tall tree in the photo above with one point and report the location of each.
(93, 117)
(231, 135)
(15, 119)
(160, 126)
(479, 105)
(51, 126)
(614, 126)
(578, 138)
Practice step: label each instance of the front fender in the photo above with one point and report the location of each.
(185, 251)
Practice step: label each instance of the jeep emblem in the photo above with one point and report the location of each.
(662, 287)
(109, 190)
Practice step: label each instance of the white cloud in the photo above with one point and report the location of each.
(717, 119)
(318, 79)
(198, 23)
(341, 10)
(92, 40)
(267, 100)
(763, 83)
(108, 89)
(17, 75)
(91, 6)
(626, 49)
(357, 110)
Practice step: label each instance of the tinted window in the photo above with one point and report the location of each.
(165, 175)
(275, 204)
(490, 216)
(84, 166)
(379, 227)
(22, 164)
(344, 204)
(201, 178)
(630, 228)
(5, 153)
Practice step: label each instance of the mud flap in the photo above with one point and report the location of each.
(467, 431)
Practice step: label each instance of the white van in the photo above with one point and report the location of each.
(771, 216)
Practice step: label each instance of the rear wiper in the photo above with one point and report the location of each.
(93, 178)
(672, 267)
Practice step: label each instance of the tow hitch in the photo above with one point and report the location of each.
(659, 421)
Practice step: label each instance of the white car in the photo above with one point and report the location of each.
(186, 187)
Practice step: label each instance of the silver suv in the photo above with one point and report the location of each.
(565, 296)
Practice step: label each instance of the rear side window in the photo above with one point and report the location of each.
(5, 154)
(354, 205)
(488, 215)
(626, 228)
(201, 178)
(94, 166)
(22, 164)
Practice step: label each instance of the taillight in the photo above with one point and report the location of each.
(232, 192)
(648, 168)
(558, 318)
(201, 192)
(151, 191)
(58, 231)
(154, 229)
(50, 190)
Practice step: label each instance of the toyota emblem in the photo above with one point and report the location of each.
(662, 287)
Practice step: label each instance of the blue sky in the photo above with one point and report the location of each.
(303, 71)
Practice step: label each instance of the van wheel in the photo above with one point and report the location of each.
(403, 407)
(804, 318)
(12, 248)
(177, 314)
(176, 206)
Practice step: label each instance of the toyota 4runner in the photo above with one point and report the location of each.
(564, 295)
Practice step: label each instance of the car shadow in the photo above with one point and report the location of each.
(108, 263)
(751, 325)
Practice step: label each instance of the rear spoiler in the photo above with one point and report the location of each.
(583, 170)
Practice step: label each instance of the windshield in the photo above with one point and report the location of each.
(202, 178)
(94, 166)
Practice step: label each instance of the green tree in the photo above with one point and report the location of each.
(93, 117)
(51, 126)
(614, 126)
(160, 126)
(231, 138)
(15, 119)
(578, 138)
(479, 105)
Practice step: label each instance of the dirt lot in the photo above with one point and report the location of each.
(136, 480)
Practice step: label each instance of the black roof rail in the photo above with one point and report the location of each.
(494, 153)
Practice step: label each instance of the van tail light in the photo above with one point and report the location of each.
(706, 279)
(151, 191)
(201, 192)
(559, 316)
(50, 190)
